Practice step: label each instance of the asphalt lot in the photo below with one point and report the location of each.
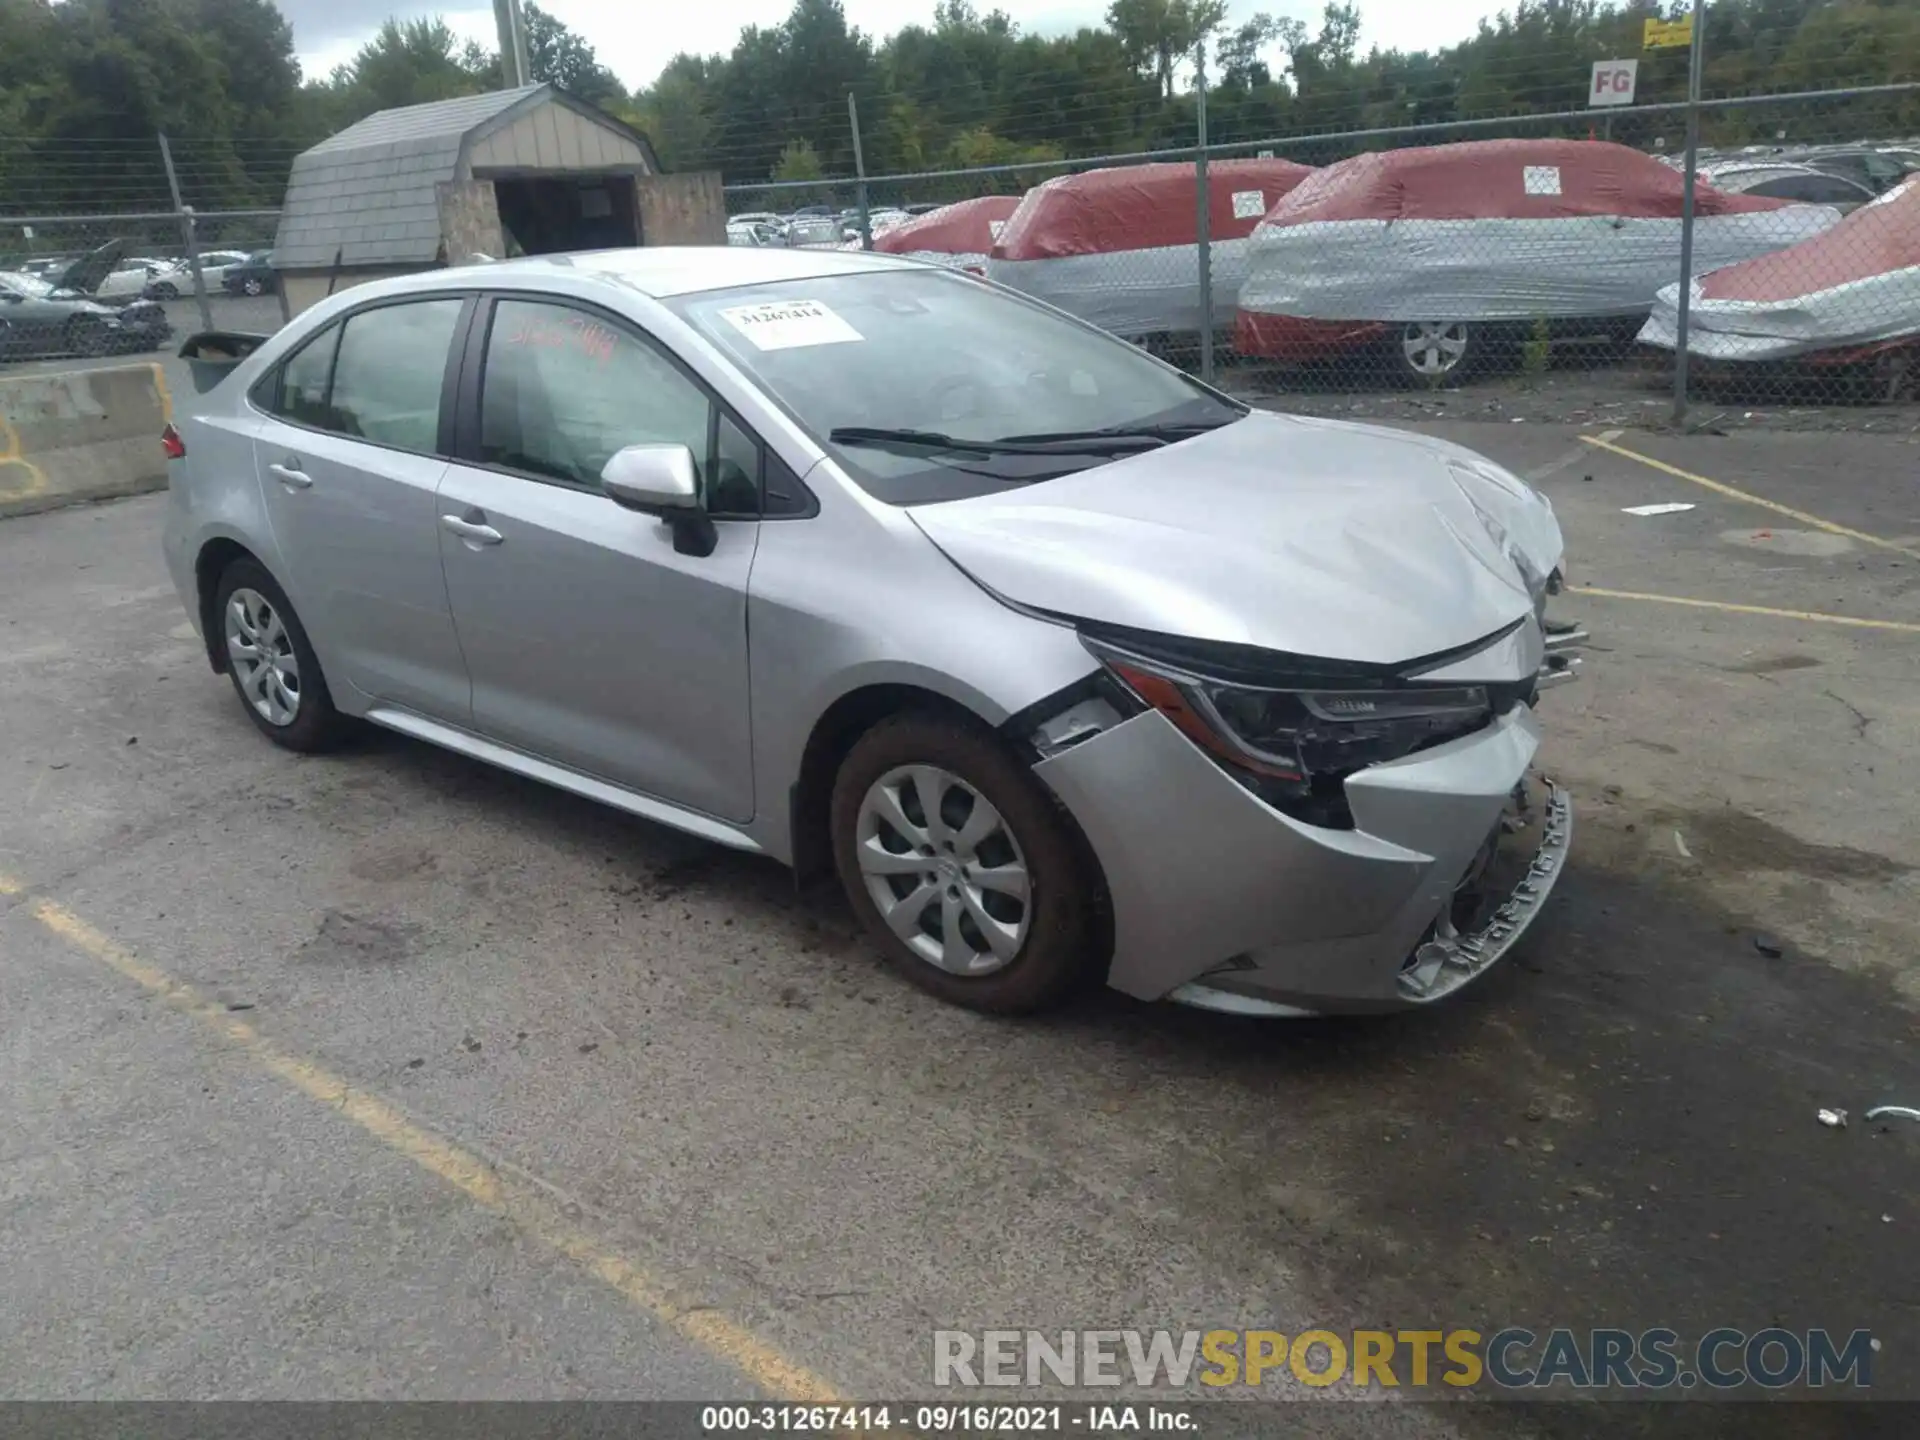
(480, 1090)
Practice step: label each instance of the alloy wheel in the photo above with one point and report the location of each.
(1434, 347)
(262, 655)
(944, 870)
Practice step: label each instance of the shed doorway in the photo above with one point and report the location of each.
(551, 215)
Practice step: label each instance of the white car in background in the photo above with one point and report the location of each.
(170, 279)
(130, 279)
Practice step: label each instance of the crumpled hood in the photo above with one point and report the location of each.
(1312, 537)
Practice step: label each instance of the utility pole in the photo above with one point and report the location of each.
(1203, 220)
(186, 234)
(1695, 63)
(860, 174)
(515, 72)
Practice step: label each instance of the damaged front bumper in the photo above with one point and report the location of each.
(1222, 901)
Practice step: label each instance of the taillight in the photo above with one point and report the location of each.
(171, 442)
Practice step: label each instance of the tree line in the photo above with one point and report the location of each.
(86, 84)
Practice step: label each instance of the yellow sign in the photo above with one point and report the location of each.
(1667, 35)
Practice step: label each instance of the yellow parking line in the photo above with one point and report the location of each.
(1601, 442)
(532, 1213)
(1824, 619)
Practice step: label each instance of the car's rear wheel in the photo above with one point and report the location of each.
(1432, 352)
(962, 866)
(271, 661)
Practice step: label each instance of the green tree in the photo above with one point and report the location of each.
(408, 62)
(1158, 34)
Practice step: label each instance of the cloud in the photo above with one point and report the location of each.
(636, 41)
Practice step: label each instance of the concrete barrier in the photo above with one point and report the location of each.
(81, 435)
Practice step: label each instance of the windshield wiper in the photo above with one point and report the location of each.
(1165, 434)
(1081, 442)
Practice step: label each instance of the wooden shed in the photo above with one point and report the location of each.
(532, 171)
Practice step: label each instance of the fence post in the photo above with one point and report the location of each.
(860, 175)
(1694, 66)
(186, 233)
(1203, 220)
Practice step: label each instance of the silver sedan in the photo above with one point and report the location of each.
(1070, 667)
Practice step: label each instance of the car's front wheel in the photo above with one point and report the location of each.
(1432, 352)
(253, 286)
(271, 661)
(962, 866)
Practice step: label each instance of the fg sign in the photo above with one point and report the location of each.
(1613, 82)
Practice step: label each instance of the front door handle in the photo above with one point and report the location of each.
(472, 533)
(289, 474)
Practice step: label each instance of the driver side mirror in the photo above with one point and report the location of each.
(662, 481)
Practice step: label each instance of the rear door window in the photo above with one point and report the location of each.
(376, 376)
(301, 392)
(388, 375)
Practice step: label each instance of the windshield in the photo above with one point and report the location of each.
(924, 350)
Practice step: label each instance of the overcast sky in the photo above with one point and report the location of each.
(636, 40)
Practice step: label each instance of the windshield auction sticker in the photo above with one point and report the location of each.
(789, 324)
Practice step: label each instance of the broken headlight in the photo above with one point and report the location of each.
(1289, 744)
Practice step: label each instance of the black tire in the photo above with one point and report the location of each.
(165, 292)
(253, 286)
(1056, 955)
(89, 339)
(316, 724)
(1402, 340)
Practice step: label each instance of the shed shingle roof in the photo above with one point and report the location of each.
(367, 194)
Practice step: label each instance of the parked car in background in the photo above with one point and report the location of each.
(1876, 167)
(813, 232)
(921, 208)
(1433, 260)
(133, 277)
(1072, 667)
(1848, 296)
(1783, 181)
(252, 276)
(752, 232)
(172, 283)
(959, 236)
(36, 319)
(1120, 248)
(879, 221)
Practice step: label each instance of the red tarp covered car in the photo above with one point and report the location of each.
(1450, 250)
(1831, 300)
(958, 235)
(1120, 247)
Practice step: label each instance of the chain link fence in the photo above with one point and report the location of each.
(1549, 264)
(104, 251)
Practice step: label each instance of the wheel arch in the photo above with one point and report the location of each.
(835, 733)
(209, 564)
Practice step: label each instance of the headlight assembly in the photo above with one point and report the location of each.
(1290, 743)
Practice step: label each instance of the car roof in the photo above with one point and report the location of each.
(665, 270)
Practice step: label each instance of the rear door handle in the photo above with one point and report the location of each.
(290, 474)
(472, 533)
